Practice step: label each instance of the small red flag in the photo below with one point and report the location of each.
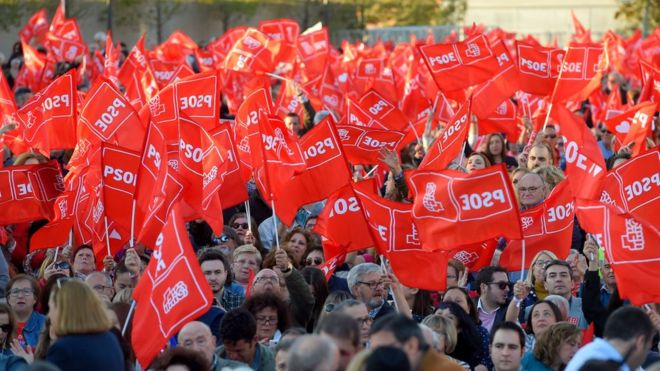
(538, 67)
(580, 74)
(362, 145)
(450, 141)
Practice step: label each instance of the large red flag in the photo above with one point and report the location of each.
(650, 82)
(48, 120)
(287, 31)
(363, 145)
(172, 292)
(450, 141)
(120, 171)
(372, 110)
(448, 202)
(503, 85)
(313, 49)
(247, 117)
(37, 26)
(548, 226)
(580, 74)
(504, 119)
(585, 166)
(640, 129)
(634, 187)
(27, 192)
(462, 64)
(222, 45)
(32, 73)
(198, 99)
(633, 119)
(538, 67)
(65, 41)
(631, 248)
(233, 190)
(253, 53)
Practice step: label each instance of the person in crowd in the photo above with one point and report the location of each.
(457, 273)
(558, 281)
(217, 270)
(507, 346)
(445, 337)
(227, 242)
(617, 159)
(551, 176)
(239, 223)
(82, 325)
(84, 261)
(541, 154)
(461, 297)
(271, 315)
(282, 351)
(313, 353)
(344, 331)
(296, 242)
(22, 294)
(7, 329)
(101, 283)
(419, 301)
(365, 282)
(288, 283)
(477, 161)
(496, 151)
(554, 348)
(493, 289)
(542, 315)
(179, 359)
(472, 344)
(533, 286)
(317, 284)
(333, 300)
(313, 257)
(238, 330)
(605, 143)
(531, 190)
(358, 311)
(123, 277)
(246, 258)
(402, 332)
(387, 358)
(133, 262)
(197, 336)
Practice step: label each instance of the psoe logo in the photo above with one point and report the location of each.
(633, 240)
(429, 202)
(472, 50)
(174, 295)
(466, 257)
(251, 43)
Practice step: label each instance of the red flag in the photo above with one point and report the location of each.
(640, 128)
(374, 111)
(342, 221)
(631, 248)
(204, 60)
(48, 119)
(504, 119)
(538, 67)
(37, 26)
(172, 292)
(462, 64)
(31, 74)
(500, 87)
(287, 100)
(634, 187)
(548, 226)
(7, 104)
(164, 71)
(447, 202)
(221, 46)
(233, 190)
(287, 31)
(476, 255)
(65, 41)
(253, 53)
(198, 99)
(313, 50)
(650, 82)
(362, 145)
(585, 166)
(581, 71)
(111, 63)
(334, 257)
(622, 124)
(450, 141)
(395, 235)
(247, 116)
(120, 172)
(27, 192)
(580, 34)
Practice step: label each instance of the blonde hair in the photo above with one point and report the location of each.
(25, 156)
(124, 295)
(445, 327)
(531, 280)
(79, 310)
(551, 175)
(546, 348)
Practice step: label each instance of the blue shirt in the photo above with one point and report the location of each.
(598, 349)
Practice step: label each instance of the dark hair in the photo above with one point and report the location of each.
(24, 277)
(257, 302)
(121, 268)
(468, 343)
(293, 114)
(557, 262)
(315, 278)
(80, 248)
(200, 233)
(627, 323)
(472, 308)
(485, 275)
(311, 247)
(601, 365)
(553, 307)
(341, 326)
(511, 326)
(6, 309)
(44, 295)
(334, 299)
(422, 304)
(209, 254)
(387, 358)
(401, 327)
(255, 231)
(238, 324)
(609, 164)
(180, 356)
(489, 153)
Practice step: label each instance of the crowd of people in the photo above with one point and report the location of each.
(274, 309)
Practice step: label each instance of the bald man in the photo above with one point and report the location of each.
(197, 336)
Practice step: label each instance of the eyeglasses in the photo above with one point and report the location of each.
(266, 320)
(550, 136)
(372, 285)
(264, 279)
(315, 261)
(528, 189)
(100, 287)
(63, 280)
(541, 263)
(62, 265)
(364, 320)
(221, 239)
(240, 225)
(500, 285)
(17, 292)
(5, 328)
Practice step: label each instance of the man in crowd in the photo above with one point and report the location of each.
(507, 346)
(531, 190)
(402, 332)
(101, 283)
(239, 341)
(558, 281)
(358, 311)
(216, 269)
(365, 281)
(197, 336)
(84, 261)
(313, 353)
(246, 258)
(344, 332)
(493, 288)
(539, 155)
(123, 277)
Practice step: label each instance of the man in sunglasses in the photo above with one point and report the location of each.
(493, 288)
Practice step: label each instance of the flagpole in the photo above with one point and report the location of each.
(128, 318)
(277, 238)
(130, 242)
(460, 159)
(522, 271)
(57, 249)
(247, 215)
(71, 238)
(107, 235)
(371, 172)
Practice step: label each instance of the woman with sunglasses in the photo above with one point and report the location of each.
(239, 223)
(82, 326)
(7, 328)
(313, 257)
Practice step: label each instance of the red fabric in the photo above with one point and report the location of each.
(233, 190)
(580, 34)
(56, 232)
(286, 30)
(31, 74)
(630, 247)
(476, 255)
(650, 82)
(548, 226)
(222, 45)
(450, 141)
(48, 120)
(503, 85)
(247, 117)
(373, 110)
(27, 192)
(172, 292)
(447, 203)
(362, 145)
(585, 166)
(253, 53)
(538, 67)
(503, 119)
(287, 100)
(313, 49)
(640, 128)
(37, 26)
(581, 71)
(334, 257)
(111, 63)
(120, 171)
(458, 65)
(634, 187)
(65, 41)
(622, 124)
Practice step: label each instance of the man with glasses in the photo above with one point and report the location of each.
(197, 336)
(493, 288)
(366, 283)
(101, 283)
(531, 190)
(358, 311)
(226, 242)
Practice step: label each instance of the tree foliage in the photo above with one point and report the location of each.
(632, 12)
(408, 13)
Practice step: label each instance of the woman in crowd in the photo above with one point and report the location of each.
(316, 281)
(7, 328)
(22, 294)
(477, 161)
(471, 347)
(239, 223)
(531, 290)
(457, 273)
(296, 242)
(271, 314)
(333, 299)
(554, 349)
(313, 257)
(447, 336)
(496, 151)
(82, 326)
(419, 301)
(542, 315)
(460, 296)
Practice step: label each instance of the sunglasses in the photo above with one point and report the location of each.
(500, 285)
(221, 239)
(62, 265)
(551, 136)
(315, 261)
(5, 328)
(240, 225)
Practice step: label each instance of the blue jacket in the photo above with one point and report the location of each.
(98, 352)
(33, 328)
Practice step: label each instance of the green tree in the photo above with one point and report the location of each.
(644, 14)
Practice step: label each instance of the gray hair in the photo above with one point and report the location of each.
(358, 271)
(311, 353)
(561, 303)
(108, 279)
